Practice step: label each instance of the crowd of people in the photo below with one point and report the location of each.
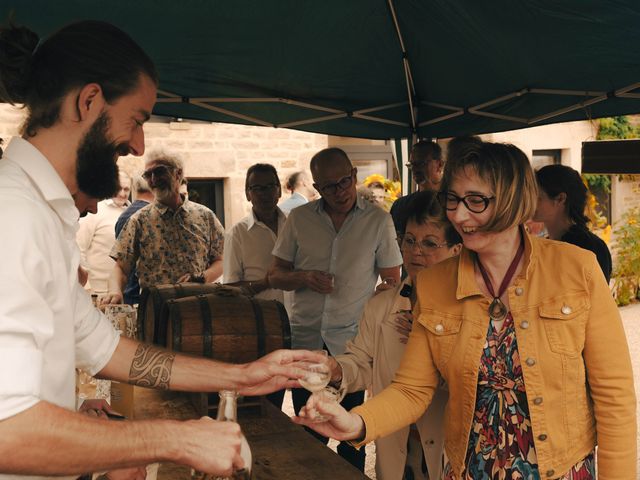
(489, 353)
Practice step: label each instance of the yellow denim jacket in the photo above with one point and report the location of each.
(572, 347)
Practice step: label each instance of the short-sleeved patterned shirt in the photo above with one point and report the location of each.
(163, 245)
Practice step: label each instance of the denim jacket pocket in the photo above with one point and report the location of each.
(443, 332)
(564, 319)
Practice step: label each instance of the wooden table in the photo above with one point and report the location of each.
(281, 449)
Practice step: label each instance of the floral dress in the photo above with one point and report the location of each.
(501, 444)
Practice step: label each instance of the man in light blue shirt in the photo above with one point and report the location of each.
(301, 188)
(330, 253)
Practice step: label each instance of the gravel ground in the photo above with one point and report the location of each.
(631, 321)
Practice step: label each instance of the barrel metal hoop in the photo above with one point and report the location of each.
(207, 325)
(260, 330)
(286, 328)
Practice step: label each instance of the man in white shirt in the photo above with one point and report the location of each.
(248, 244)
(96, 237)
(87, 89)
(330, 253)
(301, 187)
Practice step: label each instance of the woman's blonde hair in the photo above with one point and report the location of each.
(508, 172)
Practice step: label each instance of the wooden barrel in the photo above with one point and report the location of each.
(152, 321)
(231, 329)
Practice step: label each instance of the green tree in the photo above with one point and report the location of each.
(616, 128)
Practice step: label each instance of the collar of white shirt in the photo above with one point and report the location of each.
(253, 220)
(360, 204)
(44, 177)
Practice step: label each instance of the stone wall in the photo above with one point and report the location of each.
(213, 151)
(625, 194)
(225, 151)
(10, 120)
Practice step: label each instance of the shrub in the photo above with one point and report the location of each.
(627, 254)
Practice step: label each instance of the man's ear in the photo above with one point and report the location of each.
(90, 101)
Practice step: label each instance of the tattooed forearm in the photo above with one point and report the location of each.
(151, 367)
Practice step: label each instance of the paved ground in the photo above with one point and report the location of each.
(630, 319)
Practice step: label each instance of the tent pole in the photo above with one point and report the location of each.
(411, 93)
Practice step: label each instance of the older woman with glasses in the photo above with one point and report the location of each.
(373, 356)
(524, 331)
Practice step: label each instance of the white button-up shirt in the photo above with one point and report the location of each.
(247, 253)
(366, 241)
(96, 237)
(48, 325)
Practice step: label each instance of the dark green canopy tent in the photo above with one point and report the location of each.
(377, 68)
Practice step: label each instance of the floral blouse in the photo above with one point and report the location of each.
(164, 245)
(501, 443)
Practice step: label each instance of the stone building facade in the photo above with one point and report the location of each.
(213, 151)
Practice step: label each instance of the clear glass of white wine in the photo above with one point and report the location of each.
(317, 377)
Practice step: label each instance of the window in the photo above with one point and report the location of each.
(370, 159)
(542, 158)
(208, 192)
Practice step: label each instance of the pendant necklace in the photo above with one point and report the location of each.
(498, 310)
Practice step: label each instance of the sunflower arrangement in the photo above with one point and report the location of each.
(392, 190)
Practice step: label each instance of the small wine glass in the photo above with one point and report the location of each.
(317, 377)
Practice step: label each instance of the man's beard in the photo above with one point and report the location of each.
(163, 194)
(96, 169)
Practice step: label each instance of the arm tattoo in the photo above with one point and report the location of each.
(151, 367)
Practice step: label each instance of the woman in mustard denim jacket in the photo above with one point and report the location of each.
(526, 334)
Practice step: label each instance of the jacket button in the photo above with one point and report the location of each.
(524, 324)
(542, 437)
(537, 401)
(530, 361)
(439, 328)
(519, 291)
(566, 309)
(550, 473)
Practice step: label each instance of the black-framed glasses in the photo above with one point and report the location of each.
(342, 184)
(475, 202)
(159, 171)
(269, 187)
(426, 245)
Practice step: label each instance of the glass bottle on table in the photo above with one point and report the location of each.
(228, 412)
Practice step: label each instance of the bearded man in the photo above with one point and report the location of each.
(171, 240)
(87, 89)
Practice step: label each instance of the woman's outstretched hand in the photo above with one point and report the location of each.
(340, 424)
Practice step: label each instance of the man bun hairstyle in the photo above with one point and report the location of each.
(39, 73)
